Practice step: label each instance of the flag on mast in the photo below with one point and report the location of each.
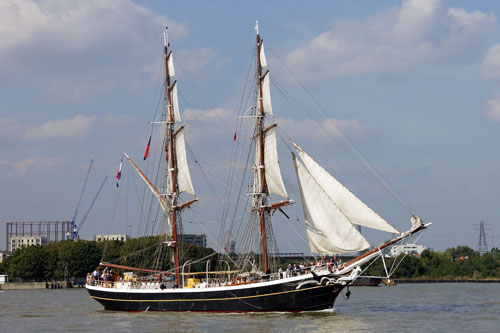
(119, 174)
(146, 154)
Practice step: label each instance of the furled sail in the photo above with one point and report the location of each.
(355, 210)
(271, 163)
(266, 94)
(175, 103)
(184, 183)
(328, 230)
(163, 202)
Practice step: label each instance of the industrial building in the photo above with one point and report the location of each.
(18, 242)
(119, 237)
(409, 249)
(200, 240)
(19, 234)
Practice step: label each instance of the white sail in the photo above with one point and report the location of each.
(263, 60)
(161, 199)
(170, 61)
(355, 210)
(175, 103)
(328, 230)
(271, 163)
(184, 183)
(257, 179)
(266, 94)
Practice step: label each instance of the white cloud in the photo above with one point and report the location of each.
(490, 68)
(324, 130)
(78, 48)
(213, 122)
(71, 128)
(194, 60)
(34, 164)
(493, 109)
(75, 127)
(8, 127)
(209, 123)
(67, 90)
(209, 115)
(119, 120)
(416, 34)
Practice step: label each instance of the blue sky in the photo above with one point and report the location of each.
(413, 84)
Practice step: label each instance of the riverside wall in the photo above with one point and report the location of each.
(39, 285)
(23, 285)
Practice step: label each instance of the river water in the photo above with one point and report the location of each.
(452, 307)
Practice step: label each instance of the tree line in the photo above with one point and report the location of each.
(68, 259)
(457, 263)
(74, 259)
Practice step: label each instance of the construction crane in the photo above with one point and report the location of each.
(73, 220)
(74, 228)
(77, 229)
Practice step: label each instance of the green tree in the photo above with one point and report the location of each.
(76, 259)
(28, 263)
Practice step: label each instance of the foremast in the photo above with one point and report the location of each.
(175, 154)
(267, 175)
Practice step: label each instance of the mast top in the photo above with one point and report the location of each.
(165, 38)
(257, 26)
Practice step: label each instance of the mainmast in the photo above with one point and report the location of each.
(267, 173)
(260, 137)
(169, 155)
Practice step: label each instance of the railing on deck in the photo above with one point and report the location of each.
(219, 281)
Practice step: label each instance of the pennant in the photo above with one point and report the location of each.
(119, 174)
(146, 154)
(234, 139)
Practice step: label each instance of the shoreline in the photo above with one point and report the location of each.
(56, 284)
(445, 280)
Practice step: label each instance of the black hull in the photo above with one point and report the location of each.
(363, 281)
(274, 297)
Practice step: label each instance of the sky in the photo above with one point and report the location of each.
(413, 85)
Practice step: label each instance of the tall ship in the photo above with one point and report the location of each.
(247, 281)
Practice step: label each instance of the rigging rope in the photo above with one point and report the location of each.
(358, 156)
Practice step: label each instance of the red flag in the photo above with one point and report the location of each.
(146, 154)
(234, 139)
